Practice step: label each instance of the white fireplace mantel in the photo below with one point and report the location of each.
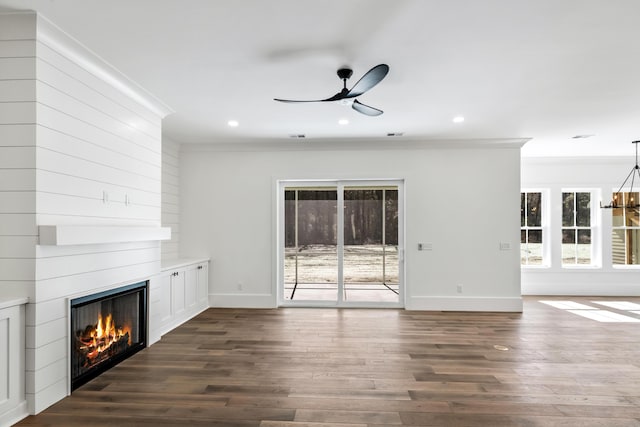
(61, 235)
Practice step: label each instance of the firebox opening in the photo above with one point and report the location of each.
(106, 328)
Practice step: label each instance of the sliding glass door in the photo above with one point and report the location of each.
(311, 243)
(370, 261)
(350, 259)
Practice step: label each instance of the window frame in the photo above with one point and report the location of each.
(593, 227)
(623, 227)
(544, 227)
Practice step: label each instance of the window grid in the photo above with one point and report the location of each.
(625, 239)
(576, 228)
(531, 249)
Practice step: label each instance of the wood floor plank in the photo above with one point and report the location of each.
(371, 367)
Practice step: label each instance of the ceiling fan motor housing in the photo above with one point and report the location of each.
(345, 73)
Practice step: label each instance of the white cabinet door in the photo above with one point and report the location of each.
(191, 286)
(178, 292)
(163, 299)
(12, 387)
(203, 282)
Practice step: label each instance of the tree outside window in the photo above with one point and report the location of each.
(576, 228)
(531, 228)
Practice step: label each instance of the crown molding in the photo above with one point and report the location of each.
(342, 144)
(57, 39)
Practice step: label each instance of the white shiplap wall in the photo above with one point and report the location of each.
(88, 152)
(171, 197)
(18, 231)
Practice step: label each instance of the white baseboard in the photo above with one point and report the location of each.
(14, 415)
(581, 282)
(243, 300)
(506, 304)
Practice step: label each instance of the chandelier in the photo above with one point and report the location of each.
(618, 199)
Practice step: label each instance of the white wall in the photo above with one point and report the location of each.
(72, 136)
(463, 200)
(604, 176)
(171, 197)
(18, 231)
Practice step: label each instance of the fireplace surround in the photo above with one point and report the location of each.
(106, 328)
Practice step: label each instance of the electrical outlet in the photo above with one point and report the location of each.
(459, 289)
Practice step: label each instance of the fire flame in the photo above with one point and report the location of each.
(105, 334)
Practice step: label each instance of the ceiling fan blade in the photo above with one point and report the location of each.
(369, 80)
(365, 109)
(338, 96)
(292, 100)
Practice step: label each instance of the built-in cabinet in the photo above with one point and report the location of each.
(13, 406)
(178, 293)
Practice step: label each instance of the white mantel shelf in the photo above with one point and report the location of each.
(62, 235)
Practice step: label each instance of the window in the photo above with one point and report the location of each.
(531, 252)
(625, 239)
(576, 228)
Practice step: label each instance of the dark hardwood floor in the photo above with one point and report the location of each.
(299, 367)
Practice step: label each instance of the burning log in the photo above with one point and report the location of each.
(99, 342)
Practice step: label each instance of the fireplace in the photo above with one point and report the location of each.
(106, 328)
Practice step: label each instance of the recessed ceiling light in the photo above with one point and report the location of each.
(343, 122)
(458, 119)
(233, 123)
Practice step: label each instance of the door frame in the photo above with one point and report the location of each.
(339, 184)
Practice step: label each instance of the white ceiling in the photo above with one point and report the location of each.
(544, 69)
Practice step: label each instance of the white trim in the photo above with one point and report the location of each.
(12, 302)
(54, 37)
(242, 300)
(341, 144)
(59, 235)
(14, 415)
(172, 264)
(502, 304)
(340, 237)
(622, 282)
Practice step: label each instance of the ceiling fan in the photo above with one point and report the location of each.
(347, 96)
